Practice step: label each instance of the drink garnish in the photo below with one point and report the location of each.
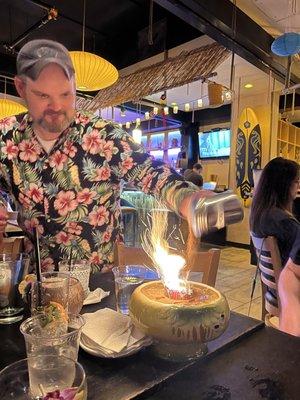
(65, 394)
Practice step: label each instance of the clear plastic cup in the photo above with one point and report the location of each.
(57, 337)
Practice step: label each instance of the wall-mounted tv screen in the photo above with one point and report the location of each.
(214, 144)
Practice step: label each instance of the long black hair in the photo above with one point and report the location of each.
(273, 189)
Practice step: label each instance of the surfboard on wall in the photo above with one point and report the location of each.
(248, 153)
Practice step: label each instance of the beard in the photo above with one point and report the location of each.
(58, 124)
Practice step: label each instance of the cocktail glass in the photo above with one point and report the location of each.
(52, 290)
(13, 269)
(43, 377)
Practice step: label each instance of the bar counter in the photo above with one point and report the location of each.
(245, 362)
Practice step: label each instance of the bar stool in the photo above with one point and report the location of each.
(129, 214)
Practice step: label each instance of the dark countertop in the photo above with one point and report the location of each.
(229, 364)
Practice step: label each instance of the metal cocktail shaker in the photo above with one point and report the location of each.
(211, 213)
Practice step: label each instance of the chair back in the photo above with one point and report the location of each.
(270, 266)
(124, 255)
(11, 245)
(206, 262)
(199, 261)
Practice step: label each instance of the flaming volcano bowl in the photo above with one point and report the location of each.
(180, 328)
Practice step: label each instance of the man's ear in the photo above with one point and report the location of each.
(20, 86)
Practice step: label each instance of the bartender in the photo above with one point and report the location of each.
(64, 167)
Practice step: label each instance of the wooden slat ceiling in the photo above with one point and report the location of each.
(173, 72)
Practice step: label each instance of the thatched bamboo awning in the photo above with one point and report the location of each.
(170, 73)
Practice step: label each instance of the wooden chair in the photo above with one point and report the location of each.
(270, 266)
(206, 262)
(11, 245)
(124, 255)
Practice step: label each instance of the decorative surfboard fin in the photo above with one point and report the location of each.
(248, 153)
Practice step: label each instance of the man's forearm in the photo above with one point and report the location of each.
(289, 294)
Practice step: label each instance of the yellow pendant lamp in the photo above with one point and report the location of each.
(91, 71)
(9, 108)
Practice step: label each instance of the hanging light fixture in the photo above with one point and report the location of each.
(200, 103)
(187, 107)
(127, 125)
(215, 92)
(166, 110)
(147, 115)
(155, 110)
(175, 109)
(9, 108)
(123, 111)
(92, 72)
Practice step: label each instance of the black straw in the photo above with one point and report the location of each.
(38, 266)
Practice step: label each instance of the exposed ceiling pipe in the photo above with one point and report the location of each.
(52, 14)
(46, 7)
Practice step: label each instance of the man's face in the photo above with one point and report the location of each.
(198, 171)
(50, 98)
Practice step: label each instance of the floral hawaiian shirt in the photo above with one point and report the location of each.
(72, 195)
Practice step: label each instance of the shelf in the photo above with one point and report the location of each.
(288, 141)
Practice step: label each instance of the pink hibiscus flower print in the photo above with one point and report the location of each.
(86, 196)
(99, 216)
(106, 236)
(29, 150)
(146, 183)
(24, 200)
(102, 174)
(7, 123)
(10, 149)
(35, 193)
(106, 149)
(127, 164)
(69, 149)
(80, 118)
(73, 228)
(95, 258)
(91, 142)
(126, 146)
(57, 160)
(65, 202)
(47, 265)
(33, 223)
(63, 238)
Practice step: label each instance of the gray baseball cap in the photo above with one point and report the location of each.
(36, 54)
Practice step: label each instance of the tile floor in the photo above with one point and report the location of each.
(234, 279)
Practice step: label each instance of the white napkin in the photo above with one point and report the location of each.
(110, 331)
(95, 296)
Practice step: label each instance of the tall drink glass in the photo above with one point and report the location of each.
(13, 269)
(126, 280)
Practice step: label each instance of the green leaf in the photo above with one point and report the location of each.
(77, 215)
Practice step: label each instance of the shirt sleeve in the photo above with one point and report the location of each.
(134, 165)
(295, 252)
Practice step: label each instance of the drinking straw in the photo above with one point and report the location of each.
(38, 265)
(71, 259)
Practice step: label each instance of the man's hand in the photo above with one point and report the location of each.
(3, 219)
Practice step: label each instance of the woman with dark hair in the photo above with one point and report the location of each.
(272, 215)
(272, 205)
